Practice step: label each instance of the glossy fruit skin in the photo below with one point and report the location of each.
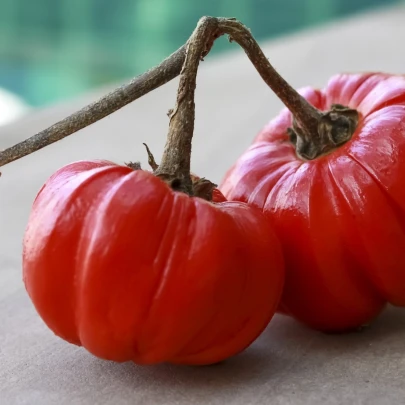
(116, 261)
(340, 217)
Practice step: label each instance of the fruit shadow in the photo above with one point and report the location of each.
(281, 352)
(241, 370)
(386, 331)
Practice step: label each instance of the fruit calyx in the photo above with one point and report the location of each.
(327, 132)
(200, 187)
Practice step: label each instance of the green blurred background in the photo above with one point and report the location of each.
(55, 49)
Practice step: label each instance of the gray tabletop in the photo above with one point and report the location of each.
(288, 364)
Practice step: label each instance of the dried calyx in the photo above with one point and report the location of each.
(321, 132)
(200, 187)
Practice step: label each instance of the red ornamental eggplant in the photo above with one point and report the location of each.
(334, 188)
(118, 262)
(152, 267)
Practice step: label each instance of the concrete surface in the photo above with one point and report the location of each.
(288, 364)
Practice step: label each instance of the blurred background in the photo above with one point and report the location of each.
(52, 50)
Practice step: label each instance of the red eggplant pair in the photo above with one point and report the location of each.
(154, 267)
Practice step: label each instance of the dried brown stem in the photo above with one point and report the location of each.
(175, 163)
(306, 116)
(118, 98)
(314, 132)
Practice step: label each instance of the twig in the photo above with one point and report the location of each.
(118, 98)
(160, 75)
(175, 162)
